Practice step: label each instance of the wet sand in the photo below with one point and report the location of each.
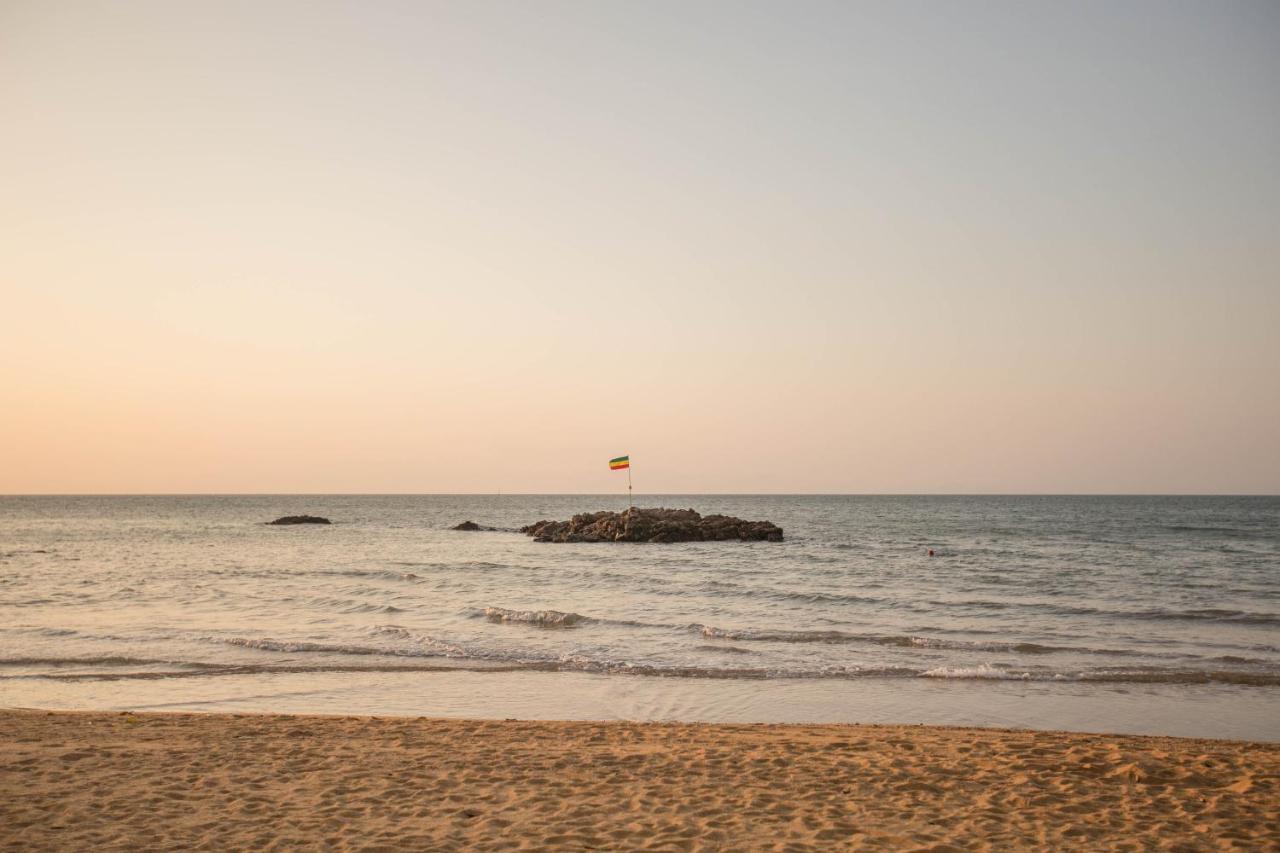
(195, 781)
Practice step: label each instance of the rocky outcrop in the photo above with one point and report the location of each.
(652, 525)
(471, 525)
(301, 519)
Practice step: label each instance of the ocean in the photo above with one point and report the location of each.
(1157, 615)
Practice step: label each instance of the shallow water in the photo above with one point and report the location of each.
(1116, 604)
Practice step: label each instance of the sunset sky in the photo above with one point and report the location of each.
(761, 247)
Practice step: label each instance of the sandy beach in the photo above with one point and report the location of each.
(176, 781)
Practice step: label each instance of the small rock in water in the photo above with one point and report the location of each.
(471, 525)
(652, 525)
(301, 519)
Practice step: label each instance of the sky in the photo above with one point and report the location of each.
(1021, 247)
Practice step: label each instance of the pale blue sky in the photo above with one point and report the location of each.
(921, 247)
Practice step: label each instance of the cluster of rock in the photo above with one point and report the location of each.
(652, 525)
(301, 519)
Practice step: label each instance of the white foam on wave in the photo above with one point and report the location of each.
(413, 645)
(983, 671)
(268, 644)
(899, 640)
(541, 618)
(713, 633)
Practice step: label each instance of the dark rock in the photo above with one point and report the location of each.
(301, 519)
(472, 526)
(652, 525)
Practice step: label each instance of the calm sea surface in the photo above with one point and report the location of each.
(1157, 614)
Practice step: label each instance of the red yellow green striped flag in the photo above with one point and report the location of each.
(619, 463)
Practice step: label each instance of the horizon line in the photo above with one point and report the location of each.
(653, 494)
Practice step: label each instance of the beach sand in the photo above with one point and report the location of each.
(82, 781)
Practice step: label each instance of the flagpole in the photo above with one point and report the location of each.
(629, 503)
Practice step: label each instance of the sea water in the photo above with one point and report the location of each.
(1144, 614)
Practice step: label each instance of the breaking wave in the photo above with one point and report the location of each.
(1209, 614)
(119, 669)
(899, 640)
(541, 618)
(411, 645)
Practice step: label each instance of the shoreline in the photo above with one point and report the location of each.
(1196, 711)
(81, 779)
(320, 716)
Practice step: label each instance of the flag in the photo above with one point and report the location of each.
(619, 463)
